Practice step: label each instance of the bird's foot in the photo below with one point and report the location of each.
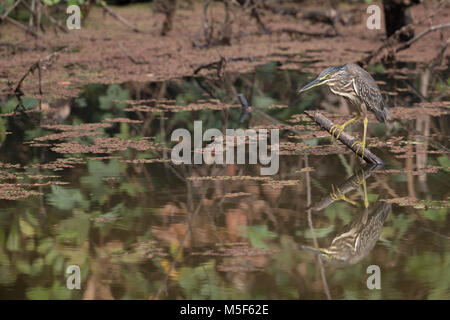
(362, 181)
(337, 195)
(361, 145)
(337, 128)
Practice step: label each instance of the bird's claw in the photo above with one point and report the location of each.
(361, 145)
(338, 195)
(336, 128)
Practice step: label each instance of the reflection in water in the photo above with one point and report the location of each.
(93, 186)
(362, 233)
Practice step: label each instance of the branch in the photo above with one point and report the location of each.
(42, 63)
(394, 38)
(350, 184)
(53, 20)
(21, 26)
(10, 9)
(422, 34)
(118, 17)
(125, 52)
(345, 138)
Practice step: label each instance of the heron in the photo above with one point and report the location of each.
(358, 238)
(360, 89)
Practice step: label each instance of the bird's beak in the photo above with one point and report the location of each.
(312, 84)
(320, 251)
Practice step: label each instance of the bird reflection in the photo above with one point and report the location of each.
(362, 233)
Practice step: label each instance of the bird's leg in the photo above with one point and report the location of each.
(341, 128)
(366, 201)
(340, 196)
(362, 181)
(362, 144)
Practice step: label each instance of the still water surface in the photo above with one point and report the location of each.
(147, 229)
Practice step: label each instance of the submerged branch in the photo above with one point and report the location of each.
(345, 138)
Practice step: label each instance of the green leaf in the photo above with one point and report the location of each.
(38, 293)
(66, 199)
(13, 241)
(318, 232)
(258, 235)
(26, 228)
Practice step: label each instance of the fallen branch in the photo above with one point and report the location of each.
(118, 17)
(20, 47)
(19, 25)
(345, 138)
(292, 31)
(42, 63)
(219, 65)
(128, 55)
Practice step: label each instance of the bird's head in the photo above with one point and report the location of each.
(329, 75)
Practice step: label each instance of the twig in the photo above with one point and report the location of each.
(19, 47)
(438, 59)
(345, 138)
(118, 17)
(21, 26)
(245, 114)
(42, 63)
(422, 34)
(128, 56)
(393, 39)
(53, 20)
(292, 31)
(10, 9)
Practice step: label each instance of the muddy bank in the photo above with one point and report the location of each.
(100, 52)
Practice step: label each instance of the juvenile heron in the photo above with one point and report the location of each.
(357, 85)
(358, 239)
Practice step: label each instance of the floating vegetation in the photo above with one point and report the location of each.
(278, 106)
(84, 126)
(430, 109)
(13, 191)
(419, 204)
(4, 175)
(229, 178)
(306, 169)
(137, 161)
(414, 172)
(65, 135)
(58, 164)
(279, 184)
(104, 219)
(162, 106)
(111, 179)
(236, 194)
(122, 120)
(107, 145)
(237, 251)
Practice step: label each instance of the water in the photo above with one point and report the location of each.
(155, 230)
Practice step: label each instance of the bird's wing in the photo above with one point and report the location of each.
(370, 94)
